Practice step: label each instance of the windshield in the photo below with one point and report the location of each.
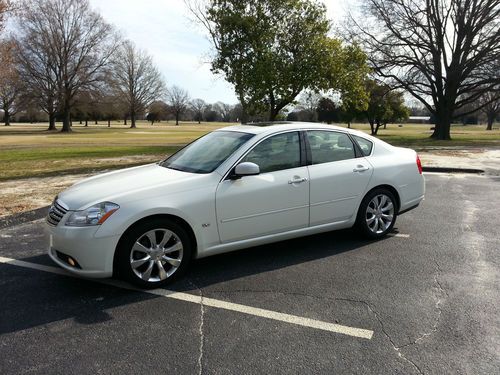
(206, 153)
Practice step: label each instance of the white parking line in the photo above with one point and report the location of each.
(249, 310)
(400, 235)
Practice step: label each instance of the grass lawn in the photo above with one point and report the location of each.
(28, 150)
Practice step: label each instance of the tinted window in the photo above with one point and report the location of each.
(206, 153)
(329, 146)
(278, 152)
(365, 145)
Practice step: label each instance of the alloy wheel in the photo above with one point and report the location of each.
(156, 255)
(380, 213)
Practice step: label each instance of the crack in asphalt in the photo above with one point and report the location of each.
(439, 300)
(396, 347)
(200, 329)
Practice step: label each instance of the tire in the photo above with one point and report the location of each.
(154, 253)
(377, 213)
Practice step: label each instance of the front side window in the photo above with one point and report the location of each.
(206, 153)
(327, 146)
(275, 153)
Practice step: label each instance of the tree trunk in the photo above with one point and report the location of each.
(66, 119)
(272, 115)
(491, 118)
(96, 122)
(132, 120)
(385, 125)
(81, 122)
(86, 122)
(244, 115)
(125, 121)
(6, 117)
(372, 127)
(177, 115)
(442, 123)
(109, 123)
(244, 109)
(52, 121)
(348, 124)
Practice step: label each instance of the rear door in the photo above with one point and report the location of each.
(338, 178)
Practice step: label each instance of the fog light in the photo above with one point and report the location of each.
(71, 262)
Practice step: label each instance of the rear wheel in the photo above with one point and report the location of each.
(377, 213)
(154, 253)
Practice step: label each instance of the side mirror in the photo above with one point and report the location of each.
(246, 169)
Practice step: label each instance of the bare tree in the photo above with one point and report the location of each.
(10, 84)
(178, 100)
(436, 50)
(198, 106)
(309, 101)
(77, 41)
(4, 8)
(492, 107)
(135, 79)
(224, 110)
(37, 68)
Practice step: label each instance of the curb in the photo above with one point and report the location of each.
(23, 217)
(452, 170)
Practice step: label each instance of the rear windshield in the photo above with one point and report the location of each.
(206, 153)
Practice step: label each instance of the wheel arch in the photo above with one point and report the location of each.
(176, 219)
(391, 188)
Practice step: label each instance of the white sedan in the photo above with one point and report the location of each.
(234, 188)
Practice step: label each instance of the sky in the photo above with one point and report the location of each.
(163, 28)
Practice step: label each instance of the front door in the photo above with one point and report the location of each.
(275, 201)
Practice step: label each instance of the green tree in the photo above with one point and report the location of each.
(272, 50)
(327, 111)
(385, 105)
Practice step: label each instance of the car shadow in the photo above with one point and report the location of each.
(32, 298)
(260, 259)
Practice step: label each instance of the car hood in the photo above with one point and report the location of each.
(127, 183)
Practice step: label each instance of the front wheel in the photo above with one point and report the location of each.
(154, 253)
(377, 213)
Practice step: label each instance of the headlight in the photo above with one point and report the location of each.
(95, 215)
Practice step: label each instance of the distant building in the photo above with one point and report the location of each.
(419, 119)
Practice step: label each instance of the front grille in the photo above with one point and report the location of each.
(56, 213)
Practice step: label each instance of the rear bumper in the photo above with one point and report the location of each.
(410, 205)
(408, 209)
(93, 255)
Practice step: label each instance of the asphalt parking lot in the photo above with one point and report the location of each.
(429, 294)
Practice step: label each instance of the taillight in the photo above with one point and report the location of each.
(419, 165)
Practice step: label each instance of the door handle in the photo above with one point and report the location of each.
(297, 180)
(360, 168)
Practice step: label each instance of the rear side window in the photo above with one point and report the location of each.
(328, 146)
(365, 145)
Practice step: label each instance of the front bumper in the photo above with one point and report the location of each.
(94, 255)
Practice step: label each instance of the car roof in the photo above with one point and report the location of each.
(273, 127)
